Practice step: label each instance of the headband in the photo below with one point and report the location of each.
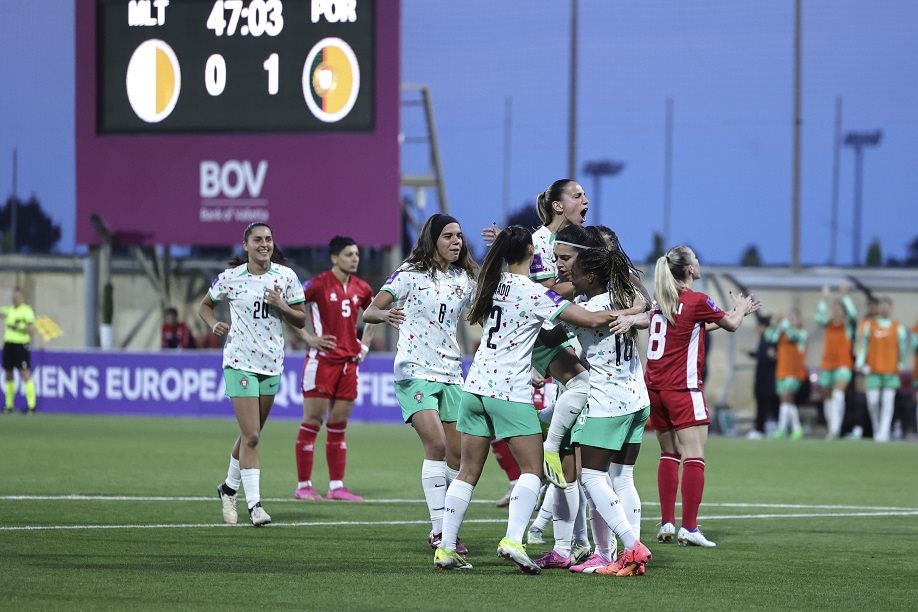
(572, 244)
(437, 223)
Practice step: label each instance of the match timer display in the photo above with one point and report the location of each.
(212, 66)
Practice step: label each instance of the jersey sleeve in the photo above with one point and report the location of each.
(707, 311)
(367, 298)
(310, 290)
(217, 289)
(549, 305)
(397, 285)
(293, 290)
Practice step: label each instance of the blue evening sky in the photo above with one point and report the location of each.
(726, 64)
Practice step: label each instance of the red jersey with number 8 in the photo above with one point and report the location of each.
(333, 309)
(675, 350)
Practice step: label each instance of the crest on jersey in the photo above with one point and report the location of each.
(459, 291)
(418, 397)
(333, 297)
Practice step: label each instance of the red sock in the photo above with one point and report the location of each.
(692, 490)
(336, 450)
(305, 441)
(668, 485)
(505, 458)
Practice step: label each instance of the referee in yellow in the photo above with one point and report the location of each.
(18, 324)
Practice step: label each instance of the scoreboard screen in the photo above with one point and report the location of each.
(197, 117)
(235, 65)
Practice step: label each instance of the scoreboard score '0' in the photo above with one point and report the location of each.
(235, 65)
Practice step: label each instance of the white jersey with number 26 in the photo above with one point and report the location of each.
(502, 363)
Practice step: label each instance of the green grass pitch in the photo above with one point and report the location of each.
(103, 513)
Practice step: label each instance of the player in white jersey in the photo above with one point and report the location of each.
(262, 294)
(424, 299)
(497, 397)
(562, 204)
(609, 430)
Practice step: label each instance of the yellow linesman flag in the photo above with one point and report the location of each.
(48, 328)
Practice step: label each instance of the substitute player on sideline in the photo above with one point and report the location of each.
(336, 298)
(261, 292)
(430, 291)
(675, 356)
(18, 325)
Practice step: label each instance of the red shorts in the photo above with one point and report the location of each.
(330, 380)
(677, 409)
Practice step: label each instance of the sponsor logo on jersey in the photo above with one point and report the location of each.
(554, 297)
(713, 306)
(307, 285)
(536, 266)
(391, 277)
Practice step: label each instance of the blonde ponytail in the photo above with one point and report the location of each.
(670, 269)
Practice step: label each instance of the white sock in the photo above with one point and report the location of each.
(887, 409)
(522, 501)
(873, 408)
(302, 484)
(451, 475)
(456, 502)
(838, 411)
(580, 521)
(828, 411)
(251, 482)
(546, 509)
(623, 485)
(567, 409)
(335, 484)
(433, 481)
(783, 417)
(233, 477)
(602, 535)
(794, 414)
(608, 505)
(565, 510)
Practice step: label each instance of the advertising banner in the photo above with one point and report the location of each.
(183, 383)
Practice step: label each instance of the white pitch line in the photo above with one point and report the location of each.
(427, 522)
(283, 500)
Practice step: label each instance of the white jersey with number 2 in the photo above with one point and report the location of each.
(502, 363)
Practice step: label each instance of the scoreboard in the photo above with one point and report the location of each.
(196, 117)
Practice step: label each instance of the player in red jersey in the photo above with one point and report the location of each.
(335, 299)
(675, 356)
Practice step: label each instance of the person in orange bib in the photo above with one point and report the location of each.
(790, 337)
(881, 356)
(839, 322)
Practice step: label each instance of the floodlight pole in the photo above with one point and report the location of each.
(857, 141)
(798, 120)
(599, 169)
(572, 104)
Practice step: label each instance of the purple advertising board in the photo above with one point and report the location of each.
(183, 383)
(195, 118)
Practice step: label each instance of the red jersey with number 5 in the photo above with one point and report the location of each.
(675, 351)
(333, 308)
